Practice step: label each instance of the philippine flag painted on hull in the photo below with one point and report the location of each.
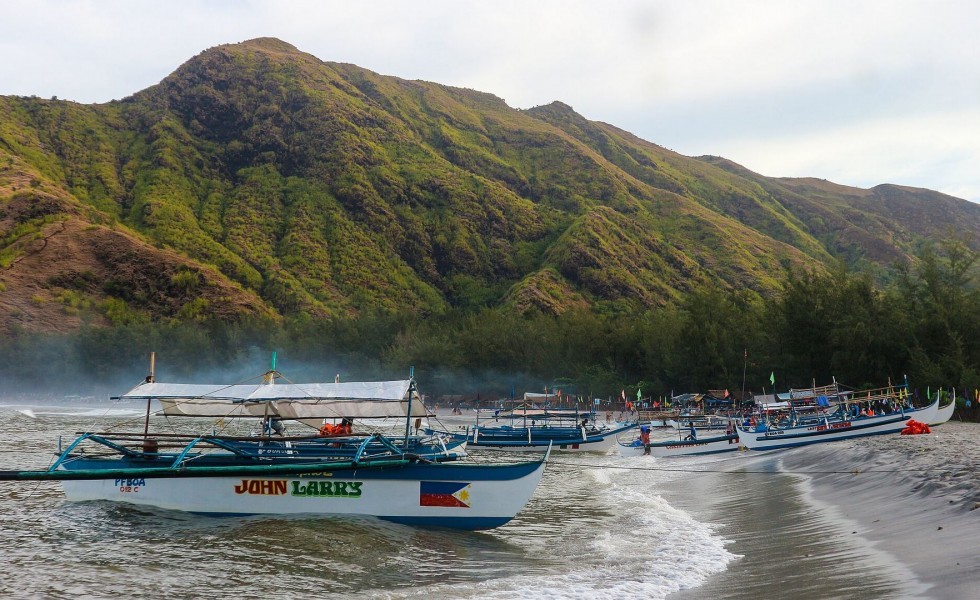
(453, 494)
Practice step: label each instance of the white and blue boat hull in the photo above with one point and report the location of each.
(538, 439)
(712, 445)
(943, 414)
(833, 430)
(464, 496)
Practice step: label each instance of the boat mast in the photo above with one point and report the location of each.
(745, 364)
(408, 411)
(149, 379)
(268, 379)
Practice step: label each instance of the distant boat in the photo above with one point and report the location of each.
(684, 447)
(699, 422)
(539, 437)
(526, 428)
(832, 428)
(270, 474)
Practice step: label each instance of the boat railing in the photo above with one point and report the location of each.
(812, 393)
(180, 449)
(378, 438)
(67, 451)
(133, 436)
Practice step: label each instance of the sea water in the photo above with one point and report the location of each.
(598, 526)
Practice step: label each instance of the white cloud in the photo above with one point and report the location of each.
(895, 150)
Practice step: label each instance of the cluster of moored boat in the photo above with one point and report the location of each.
(410, 475)
(526, 427)
(808, 417)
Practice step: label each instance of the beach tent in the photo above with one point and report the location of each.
(717, 399)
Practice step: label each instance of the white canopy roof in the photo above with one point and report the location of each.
(538, 396)
(774, 405)
(286, 400)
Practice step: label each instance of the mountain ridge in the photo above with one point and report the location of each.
(291, 185)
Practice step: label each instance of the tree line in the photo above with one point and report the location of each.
(924, 325)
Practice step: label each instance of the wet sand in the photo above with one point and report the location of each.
(881, 517)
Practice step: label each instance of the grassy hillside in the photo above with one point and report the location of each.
(257, 180)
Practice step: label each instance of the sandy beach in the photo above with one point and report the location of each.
(880, 517)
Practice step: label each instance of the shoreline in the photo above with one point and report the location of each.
(885, 516)
(917, 498)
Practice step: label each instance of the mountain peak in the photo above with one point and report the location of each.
(268, 44)
(555, 108)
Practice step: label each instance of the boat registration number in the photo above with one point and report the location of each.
(130, 486)
(841, 425)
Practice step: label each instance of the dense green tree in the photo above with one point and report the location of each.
(821, 326)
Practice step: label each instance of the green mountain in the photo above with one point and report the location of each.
(258, 180)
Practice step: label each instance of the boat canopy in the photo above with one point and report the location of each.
(813, 392)
(535, 397)
(285, 400)
(774, 405)
(540, 412)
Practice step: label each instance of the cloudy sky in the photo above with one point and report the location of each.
(857, 92)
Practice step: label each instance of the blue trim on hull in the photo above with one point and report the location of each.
(438, 471)
(732, 447)
(702, 442)
(465, 523)
(535, 445)
(816, 437)
(468, 523)
(818, 441)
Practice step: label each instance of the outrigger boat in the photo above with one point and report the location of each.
(699, 422)
(841, 425)
(684, 447)
(226, 475)
(532, 429)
